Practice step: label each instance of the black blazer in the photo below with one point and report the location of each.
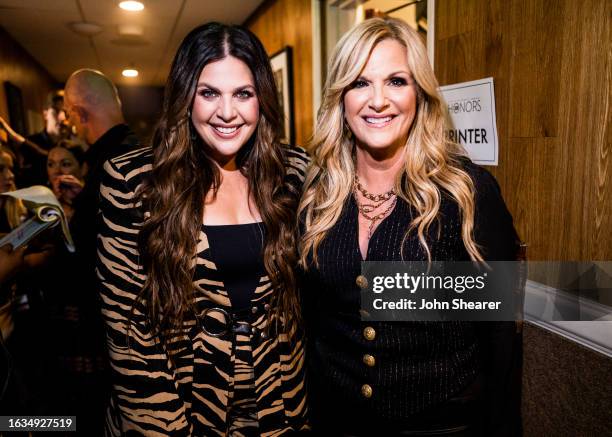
(411, 368)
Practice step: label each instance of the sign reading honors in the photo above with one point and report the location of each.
(471, 106)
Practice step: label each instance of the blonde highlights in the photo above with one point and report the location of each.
(431, 161)
(14, 209)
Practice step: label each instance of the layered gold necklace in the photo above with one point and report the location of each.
(378, 201)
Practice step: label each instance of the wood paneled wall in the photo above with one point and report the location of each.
(552, 65)
(22, 70)
(281, 23)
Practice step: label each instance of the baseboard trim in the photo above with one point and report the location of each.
(542, 302)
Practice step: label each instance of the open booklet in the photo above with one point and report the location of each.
(47, 212)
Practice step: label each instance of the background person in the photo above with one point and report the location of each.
(386, 185)
(12, 213)
(10, 262)
(34, 151)
(77, 359)
(92, 104)
(29, 155)
(94, 108)
(22, 317)
(66, 170)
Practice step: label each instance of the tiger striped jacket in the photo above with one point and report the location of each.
(150, 395)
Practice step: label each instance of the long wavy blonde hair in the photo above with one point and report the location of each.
(431, 160)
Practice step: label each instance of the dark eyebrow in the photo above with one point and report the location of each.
(240, 88)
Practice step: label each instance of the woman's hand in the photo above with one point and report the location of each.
(40, 257)
(66, 187)
(10, 261)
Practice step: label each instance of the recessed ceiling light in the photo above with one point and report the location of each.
(129, 72)
(131, 5)
(130, 30)
(85, 28)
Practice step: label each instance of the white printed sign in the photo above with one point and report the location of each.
(471, 106)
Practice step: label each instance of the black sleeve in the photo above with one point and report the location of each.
(500, 343)
(493, 227)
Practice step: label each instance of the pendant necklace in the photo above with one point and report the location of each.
(377, 200)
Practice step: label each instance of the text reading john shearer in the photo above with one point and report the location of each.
(414, 283)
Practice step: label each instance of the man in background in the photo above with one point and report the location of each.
(32, 151)
(34, 157)
(94, 109)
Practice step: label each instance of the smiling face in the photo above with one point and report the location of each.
(225, 109)
(381, 104)
(7, 177)
(62, 162)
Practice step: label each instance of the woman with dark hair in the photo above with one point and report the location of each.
(65, 169)
(197, 254)
(78, 353)
(387, 185)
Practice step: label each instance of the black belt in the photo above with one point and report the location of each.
(234, 322)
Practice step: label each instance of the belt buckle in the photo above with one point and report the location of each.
(226, 316)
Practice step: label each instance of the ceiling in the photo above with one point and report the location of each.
(42, 28)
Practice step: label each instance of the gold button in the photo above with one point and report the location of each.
(369, 360)
(362, 281)
(366, 391)
(369, 333)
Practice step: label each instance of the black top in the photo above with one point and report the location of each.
(191, 394)
(418, 365)
(117, 140)
(75, 272)
(237, 253)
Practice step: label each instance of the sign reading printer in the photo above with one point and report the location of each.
(471, 107)
(437, 291)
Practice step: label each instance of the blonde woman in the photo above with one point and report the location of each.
(12, 213)
(386, 185)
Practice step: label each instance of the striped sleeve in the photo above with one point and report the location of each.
(145, 399)
(297, 161)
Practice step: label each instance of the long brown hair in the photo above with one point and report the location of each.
(183, 174)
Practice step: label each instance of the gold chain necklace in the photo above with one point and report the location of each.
(379, 200)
